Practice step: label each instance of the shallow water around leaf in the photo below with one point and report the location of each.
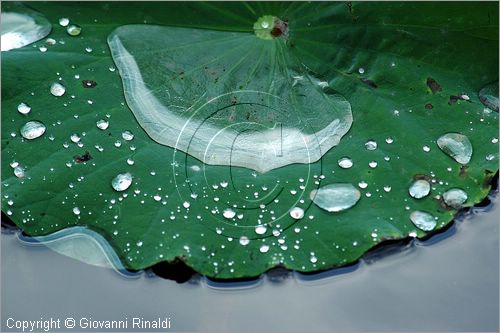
(447, 283)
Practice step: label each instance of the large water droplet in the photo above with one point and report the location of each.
(22, 27)
(371, 145)
(19, 171)
(423, 220)
(457, 146)
(102, 124)
(264, 248)
(63, 21)
(73, 30)
(127, 135)
(336, 197)
(57, 89)
(420, 189)
(23, 108)
(455, 197)
(32, 130)
(345, 163)
(229, 213)
(122, 181)
(489, 96)
(260, 229)
(297, 213)
(244, 240)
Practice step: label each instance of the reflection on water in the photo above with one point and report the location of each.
(446, 283)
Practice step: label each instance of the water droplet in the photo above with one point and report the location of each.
(14, 164)
(75, 138)
(264, 24)
(455, 197)
(23, 108)
(186, 204)
(361, 70)
(260, 229)
(297, 213)
(345, 163)
(102, 124)
(244, 240)
(88, 49)
(335, 197)
(423, 220)
(456, 146)
(420, 189)
(490, 157)
(63, 21)
(19, 171)
(264, 248)
(387, 188)
(373, 164)
(73, 30)
(371, 145)
(363, 184)
(426, 149)
(229, 213)
(122, 181)
(127, 135)
(130, 161)
(76, 211)
(494, 140)
(43, 48)
(313, 259)
(20, 29)
(389, 140)
(32, 130)
(488, 95)
(57, 89)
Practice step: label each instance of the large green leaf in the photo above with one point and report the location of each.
(411, 73)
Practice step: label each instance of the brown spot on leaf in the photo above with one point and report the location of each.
(433, 85)
(429, 106)
(369, 83)
(82, 158)
(463, 171)
(89, 83)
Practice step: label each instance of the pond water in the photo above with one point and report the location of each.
(449, 283)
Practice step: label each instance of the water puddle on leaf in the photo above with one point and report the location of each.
(227, 98)
(21, 26)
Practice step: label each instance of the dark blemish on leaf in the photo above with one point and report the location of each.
(369, 83)
(280, 29)
(89, 83)
(433, 85)
(453, 99)
(349, 6)
(463, 171)
(83, 158)
(429, 106)
(423, 176)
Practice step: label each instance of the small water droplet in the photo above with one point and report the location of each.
(76, 211)
(297, 213)
(426, 149)
(389, 140)
(122, 181)
(127, 135)
(420, 189)
(102, 124)
(361, 70)
(14, 164)
(130, 161)
(490, 157)
(63, 21)
(229, 213)
(456, 146)
(345, 163)
(264, 248)
(335, 197)
(23, 108)
(423, 220)
(32, 130)
(57, 89)
(387, 188)
(313, 259)
(455, 197)
(186, 204)
(371, 145)
(373, 164)
(244, 240)
(260, 229)
(73, 30)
